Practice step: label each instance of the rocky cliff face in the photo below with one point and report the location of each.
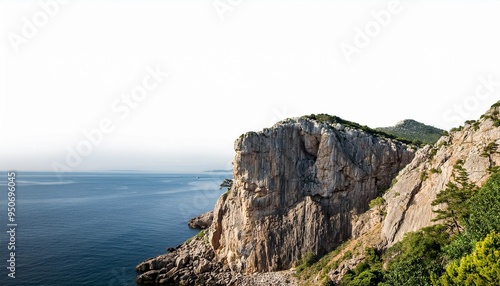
(409, 200)
(304, 187)
(296, 187)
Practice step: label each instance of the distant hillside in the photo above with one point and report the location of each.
(218, 171)
(412, 130)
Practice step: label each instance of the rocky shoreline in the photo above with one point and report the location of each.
(191, 263)
(194, 263)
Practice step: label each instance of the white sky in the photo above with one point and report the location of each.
(264, 61)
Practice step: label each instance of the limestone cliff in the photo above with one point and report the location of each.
(409, 200)
(296, 187)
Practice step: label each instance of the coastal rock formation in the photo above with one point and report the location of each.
(409, 200)
(202, 221)
(296, 187)
(304, 186)
(192, 263)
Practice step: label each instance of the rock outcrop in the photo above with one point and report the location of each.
(296, 187)
(409, 200)
(202, 221)
(192, 263)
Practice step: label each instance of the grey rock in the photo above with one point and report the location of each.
(202, 221)
(409, 200)
(203, 266)
(182, 260)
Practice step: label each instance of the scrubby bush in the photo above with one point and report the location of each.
(417, 257)
(481, 267)
(306, 261)
(379, 201)
(367, 273)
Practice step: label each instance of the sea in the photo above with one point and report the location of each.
(94, 228)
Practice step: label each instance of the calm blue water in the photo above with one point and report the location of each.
(94, 228)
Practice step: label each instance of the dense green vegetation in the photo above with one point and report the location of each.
(413, 261)
(414, 131)
(368, 272)
(463, 250)
(481, 267)
(418, 257)
(467, 254)
(482, 219)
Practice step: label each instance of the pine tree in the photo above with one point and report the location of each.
(455, 199)
(481, 267)
(227, 183)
